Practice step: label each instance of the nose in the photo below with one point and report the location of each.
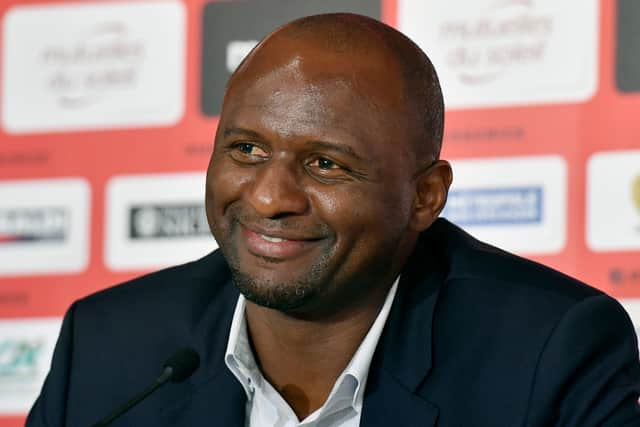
(276, 191)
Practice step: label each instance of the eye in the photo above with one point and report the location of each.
(324, 163)
(247, 152)
(245, 147)
(326, 168)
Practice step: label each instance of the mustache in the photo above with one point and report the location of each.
(291, 223)
(285, 223)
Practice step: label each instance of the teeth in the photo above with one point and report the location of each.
(271, 239)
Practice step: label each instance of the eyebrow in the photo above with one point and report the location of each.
(314, 144)
(334, 146)
(240, 131)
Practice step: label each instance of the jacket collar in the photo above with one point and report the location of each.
(214, 396)
(403, 358)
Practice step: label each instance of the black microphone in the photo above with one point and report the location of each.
(176, 369)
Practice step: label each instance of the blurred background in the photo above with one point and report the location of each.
(108, 111)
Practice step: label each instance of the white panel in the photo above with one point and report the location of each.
(44, 226)
(26, 348)
(151, 221)
(93, 65)
(518, 204)
(613, 201)
(507, 52)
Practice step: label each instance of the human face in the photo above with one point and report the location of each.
(309, 188)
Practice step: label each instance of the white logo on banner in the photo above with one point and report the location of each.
(508, 52)
(44, 226)
(99, 65)
(26, 348)
(510, 203)
(237, 50)
(613, 201)
(156, 220)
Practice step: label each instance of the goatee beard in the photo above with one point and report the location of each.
(283, 296)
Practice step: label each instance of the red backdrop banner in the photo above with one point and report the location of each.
(109, 108)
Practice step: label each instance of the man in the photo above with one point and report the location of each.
(358, 306)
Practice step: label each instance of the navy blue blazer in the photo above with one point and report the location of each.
(475, 337)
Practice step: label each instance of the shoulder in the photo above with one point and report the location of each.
(177, 294)
(487, 292)
(490, 274)
(506, 329)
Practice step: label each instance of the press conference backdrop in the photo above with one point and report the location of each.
(109, 108)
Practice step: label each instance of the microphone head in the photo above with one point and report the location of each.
(183, 363)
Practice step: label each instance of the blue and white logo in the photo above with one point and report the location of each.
(44, 226)
(34, 224)
(495, 206)
(509, 203)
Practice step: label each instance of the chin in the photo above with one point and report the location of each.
(283, 296)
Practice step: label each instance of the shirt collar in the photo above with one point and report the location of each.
(238, 355)
(359, 365)
(350, 384)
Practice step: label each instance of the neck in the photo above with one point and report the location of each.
(302, 358)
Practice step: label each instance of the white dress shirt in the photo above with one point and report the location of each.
(266, 408)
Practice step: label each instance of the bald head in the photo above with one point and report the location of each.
(318, 185)
(330, 41)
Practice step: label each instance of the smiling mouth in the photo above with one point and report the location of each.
(271, 239)
(272, 247)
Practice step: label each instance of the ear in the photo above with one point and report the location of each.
(432, 187)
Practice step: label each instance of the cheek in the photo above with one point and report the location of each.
(225, 183)
(224, 186)
(366, 213)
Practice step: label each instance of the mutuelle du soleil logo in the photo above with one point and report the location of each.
(494, 52)
(19, 358)
(103, 59)
(37, 224)
(495, 206)
(167, 221)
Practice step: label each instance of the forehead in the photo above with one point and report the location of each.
(294, 91)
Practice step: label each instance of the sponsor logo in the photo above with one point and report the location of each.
(236, 52)
(168, 221)
(44, 226)
(26, 348)
(18, 358)
(102, 68)
(508, 52)
(232, 29)
(613, 201)
(33, 224)
(627, 46)
(507, 202)
(155, 221)
(105, 59)
(494, 206)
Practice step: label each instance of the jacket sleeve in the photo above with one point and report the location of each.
(589, 372)
(49, 408)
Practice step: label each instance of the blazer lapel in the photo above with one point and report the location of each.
(214, 396)
(388, 403)
(218, 402)
(403, 357)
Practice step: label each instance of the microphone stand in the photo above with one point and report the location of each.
(162, 379)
